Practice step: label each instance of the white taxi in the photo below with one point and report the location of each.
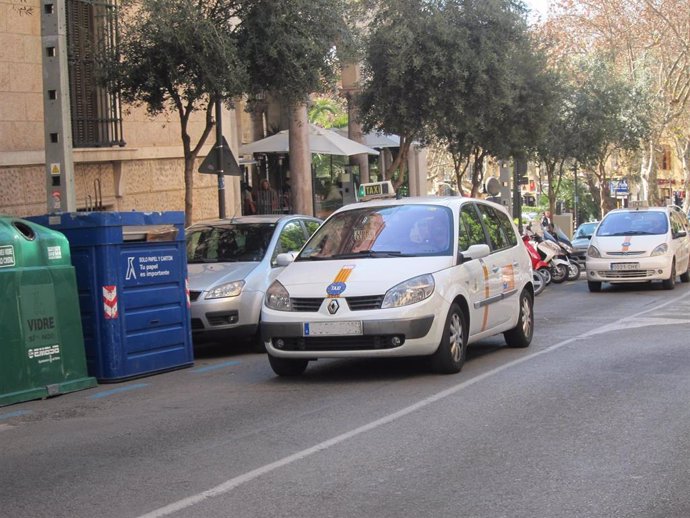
(639, 244)
(401, 277)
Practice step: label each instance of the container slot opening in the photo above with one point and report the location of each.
(25, 230)
(146, 233)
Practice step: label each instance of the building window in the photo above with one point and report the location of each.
(96, 112)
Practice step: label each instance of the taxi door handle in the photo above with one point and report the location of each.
(516, 264)
(495, 269)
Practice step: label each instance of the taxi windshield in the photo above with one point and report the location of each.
(384, 231)
(634, 223)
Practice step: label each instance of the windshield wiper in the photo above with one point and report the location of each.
(372, 253)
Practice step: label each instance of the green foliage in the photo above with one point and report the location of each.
(176, 50)
(399, 82)
(289, 45)
(607, 113)
(328, 112)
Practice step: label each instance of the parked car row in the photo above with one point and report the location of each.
(418, 277)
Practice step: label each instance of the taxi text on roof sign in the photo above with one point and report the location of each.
(373, 190)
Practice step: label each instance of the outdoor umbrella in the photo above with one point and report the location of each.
(322, 141)
(377, 140)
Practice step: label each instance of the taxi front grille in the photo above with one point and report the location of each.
(194, 295)
(364, 303)
(306, 304)
(626, 274)
(355, 303)
(625, 254)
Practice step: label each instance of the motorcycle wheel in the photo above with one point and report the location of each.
(573, 272)
(559, 273)
(538, 282)
(546, 273)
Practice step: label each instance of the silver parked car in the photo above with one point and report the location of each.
(231, 262)
(581, 241)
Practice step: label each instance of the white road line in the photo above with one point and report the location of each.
(232, 483)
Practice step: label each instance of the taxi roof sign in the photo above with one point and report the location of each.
(374, 190)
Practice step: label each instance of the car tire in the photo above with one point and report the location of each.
(450, 355)
(670, 283)
(685, 277)
(257, 344)
(287, 367)
(594, 286)
(521, 335)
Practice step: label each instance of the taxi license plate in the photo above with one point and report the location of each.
(350, 328)
(625, 266)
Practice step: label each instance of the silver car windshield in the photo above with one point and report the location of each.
(228, 243)
(634, 223)
(386, 231)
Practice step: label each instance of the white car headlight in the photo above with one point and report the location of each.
(660, 250)
(229, 289)
(277, 297)
(409, 292)
(593, 252)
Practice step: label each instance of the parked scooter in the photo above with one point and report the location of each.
(567, 252)
(541, 276)
(552, 254)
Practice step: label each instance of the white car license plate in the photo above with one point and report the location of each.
(625, 266)
(349, 327)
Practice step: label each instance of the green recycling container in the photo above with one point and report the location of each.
(41, 342)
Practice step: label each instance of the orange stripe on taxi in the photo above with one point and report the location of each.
(487, 292)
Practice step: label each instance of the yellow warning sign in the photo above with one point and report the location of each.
(55, 169)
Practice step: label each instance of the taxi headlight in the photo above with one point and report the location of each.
(593, 252)
(409, 292)
(230, 289)
(277, 297)
(660, 250)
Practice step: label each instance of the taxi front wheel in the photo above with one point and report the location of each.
(521, 334)
(670, 283)
(287, 366)
(450, 355)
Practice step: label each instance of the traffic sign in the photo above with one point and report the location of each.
(229, 166)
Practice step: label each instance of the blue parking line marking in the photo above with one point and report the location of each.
(17, 413)
(107, 393)
(215, 367)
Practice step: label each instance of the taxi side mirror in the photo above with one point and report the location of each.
(285, 258)
(474, 252)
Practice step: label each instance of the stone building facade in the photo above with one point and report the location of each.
(146, 174)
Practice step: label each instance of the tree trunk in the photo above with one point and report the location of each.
(645, 170)
(300, 161)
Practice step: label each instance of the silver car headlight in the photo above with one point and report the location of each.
(409, 292)
(277, 297)
(593, 252)
(660, 250)
(229, 289)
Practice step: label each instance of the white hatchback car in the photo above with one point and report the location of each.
(407, 277)
(639, 244)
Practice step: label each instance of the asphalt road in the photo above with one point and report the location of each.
(592, 420)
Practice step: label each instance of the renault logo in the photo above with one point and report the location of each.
(333, 307)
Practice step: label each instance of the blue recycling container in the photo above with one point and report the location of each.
(131, 270)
